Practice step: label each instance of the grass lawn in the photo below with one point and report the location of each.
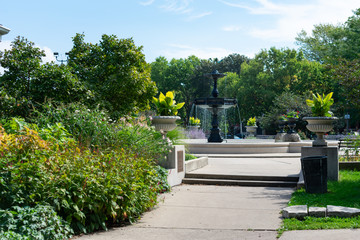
(345, 193)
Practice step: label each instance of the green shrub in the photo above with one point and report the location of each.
(88, 188)
(38, 223)
(94, 129)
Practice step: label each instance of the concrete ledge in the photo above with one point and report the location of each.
(298, 211)
(194, 164)
(242, 147)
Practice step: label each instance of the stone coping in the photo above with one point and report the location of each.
(301, 211)
(194, 164)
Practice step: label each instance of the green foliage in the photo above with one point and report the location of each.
(115, 71)
(38, 223)
(21, 63)
(194, 121)
(174, 136)
(324, 44)
(26, 83)
(228, 85)
(292, 114)
(348, 75)
(342, 193)
(272, 73)
(251, 121)
(166, 105)
(189, 156)
(314, 223)
(320, 105)
(231, 63)
(96, 130)
(327, 42)
(88, 188)
(56, 82)
(281, 104)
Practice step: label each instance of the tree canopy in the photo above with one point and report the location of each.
(116, 71)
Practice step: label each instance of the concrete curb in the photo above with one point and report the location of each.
(197, 163)
(301, 211)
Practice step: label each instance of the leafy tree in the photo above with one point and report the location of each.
(21, 63)
(281, 104)
(116, 71)
(265, 77)
(27, 83)
(228, 85)
(232, 63)
(273, 72)
(327, 42)
(182, 76)
(58, 84)
(348, 75)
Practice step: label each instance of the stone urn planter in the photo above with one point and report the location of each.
(320, 126)
(251, 130)
(165, 123)
(280, 136)
(291, 124)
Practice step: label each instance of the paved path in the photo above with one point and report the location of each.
(223, 212)
(208, 212)
(253, 166)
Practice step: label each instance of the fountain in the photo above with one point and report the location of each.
(215, 105)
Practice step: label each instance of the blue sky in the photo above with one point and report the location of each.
(171, 28)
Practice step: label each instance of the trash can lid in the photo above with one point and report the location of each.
(313, 157)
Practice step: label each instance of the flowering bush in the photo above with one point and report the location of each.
(195, 134)
(283, 117)
(88, 187)
(292, 114)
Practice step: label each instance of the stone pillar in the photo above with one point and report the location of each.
(175, 164)
(332, 159)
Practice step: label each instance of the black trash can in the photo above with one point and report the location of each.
(314, 169)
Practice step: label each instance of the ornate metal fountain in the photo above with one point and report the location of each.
(215, 105)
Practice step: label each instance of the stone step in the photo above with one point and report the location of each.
(248, 183)
(269, 155)
(291, 178)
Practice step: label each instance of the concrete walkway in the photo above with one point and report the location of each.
(223, 212)
(220, 213)
(208, 212)
(253, 165)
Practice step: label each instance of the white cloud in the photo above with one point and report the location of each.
(184, 51)
(182, 7)
(231, 28)
(292, 18)
(49, 55)
(177, 6)
(147, 3)
(201, 15)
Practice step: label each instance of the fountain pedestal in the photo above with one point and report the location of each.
(215, 104)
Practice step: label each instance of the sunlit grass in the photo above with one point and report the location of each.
(345, 192)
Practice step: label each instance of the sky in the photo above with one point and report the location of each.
(171, 28)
